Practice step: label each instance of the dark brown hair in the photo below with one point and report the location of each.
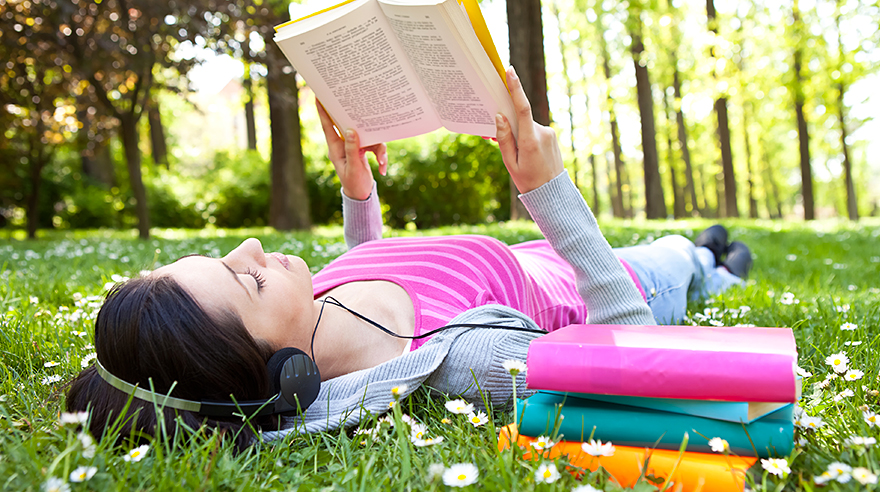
(152, 329)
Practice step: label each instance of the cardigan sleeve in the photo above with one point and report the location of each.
(361, 219)
(567, 222)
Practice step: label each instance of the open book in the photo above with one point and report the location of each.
(394, 69)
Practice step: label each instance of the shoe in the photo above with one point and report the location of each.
(714, 238)
(739, 260)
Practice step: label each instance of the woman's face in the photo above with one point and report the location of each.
(272, 293)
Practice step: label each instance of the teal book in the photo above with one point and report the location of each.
(625, 425)
(731, 411)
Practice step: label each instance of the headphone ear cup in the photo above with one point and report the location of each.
(293, 374)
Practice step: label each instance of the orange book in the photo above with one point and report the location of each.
(693, 472)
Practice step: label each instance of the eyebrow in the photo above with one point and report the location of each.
(235, 276)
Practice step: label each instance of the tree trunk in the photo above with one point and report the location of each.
(128, 125)
(620, 209)
(852, 208)
(803, 131)
(655, 203)
(37, 156)
(678, 206)
(803, 142)
(526, 38)
(730, 206)
(569, 92)
(690, 189)
(595, 183)
(250, 120)
(753, 203)
(775, 212)
(157, 134)
(289, 200)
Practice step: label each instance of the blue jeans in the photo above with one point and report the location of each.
(672, 271)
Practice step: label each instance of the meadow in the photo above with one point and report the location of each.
(822, 279)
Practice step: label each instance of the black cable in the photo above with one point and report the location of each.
(335, 302)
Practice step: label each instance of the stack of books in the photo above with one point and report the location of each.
(644, 388)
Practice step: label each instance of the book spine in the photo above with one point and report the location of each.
(772, 435)
(661, 373)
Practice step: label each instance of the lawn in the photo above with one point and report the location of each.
(821, 279)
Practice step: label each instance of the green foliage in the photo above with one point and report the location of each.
(459, 180)
(812, 278)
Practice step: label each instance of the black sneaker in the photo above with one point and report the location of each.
(714, 238)
(739, 260)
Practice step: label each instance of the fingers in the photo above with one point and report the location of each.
(506, 142)
(353, 153)
(520, 105)
(381, 153)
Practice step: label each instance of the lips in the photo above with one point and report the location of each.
(281, 259)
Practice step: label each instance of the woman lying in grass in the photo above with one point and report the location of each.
(204, 328)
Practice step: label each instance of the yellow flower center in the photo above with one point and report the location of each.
(462, 477)
(837, 362)
(547, 474)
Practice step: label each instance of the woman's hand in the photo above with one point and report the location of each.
(350, 160)
(534, 158)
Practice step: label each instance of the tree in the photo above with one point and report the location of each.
(655, 203)
(730, 206)
(797, 89)
(852, 208)
(115, 46)
(526, 35)
(35, 94)
(289, 199)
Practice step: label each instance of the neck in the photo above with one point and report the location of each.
(344, 343)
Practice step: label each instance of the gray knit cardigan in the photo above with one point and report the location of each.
(454, 361)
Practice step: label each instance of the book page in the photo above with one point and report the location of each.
(463, 99)
(359, 73)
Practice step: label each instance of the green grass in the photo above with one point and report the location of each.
(50, 291)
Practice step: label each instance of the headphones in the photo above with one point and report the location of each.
(293, 376)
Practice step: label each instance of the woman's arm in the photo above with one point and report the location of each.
(361, 214)
(535, 165)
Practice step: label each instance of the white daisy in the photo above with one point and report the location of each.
(542, 442)
(838, 362)
(419, 442)
(719, 445)
(546, 473)
(55, 484)
(853, 374)
(514, 366)
(73, 418)
(864, 476)
(50, 379)
(460, 475)
(83, 473)
(460, 407)
(397, 391)
(860, 441)
(478, 419)
(435, 470)
(848, 326)
(51, 363)
(585, 488)
(840, 471)
(776, 466)
(843, 394)
(137, 453)
(870, 418)
(596, 448)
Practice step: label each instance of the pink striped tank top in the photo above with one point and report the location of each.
(447, 275)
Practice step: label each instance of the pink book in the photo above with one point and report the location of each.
(695, 362)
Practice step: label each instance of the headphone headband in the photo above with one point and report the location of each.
(298, 374)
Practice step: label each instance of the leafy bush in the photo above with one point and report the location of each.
(462, 180)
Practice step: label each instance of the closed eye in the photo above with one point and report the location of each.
(258, 277)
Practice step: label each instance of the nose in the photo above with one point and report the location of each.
(250, 251)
